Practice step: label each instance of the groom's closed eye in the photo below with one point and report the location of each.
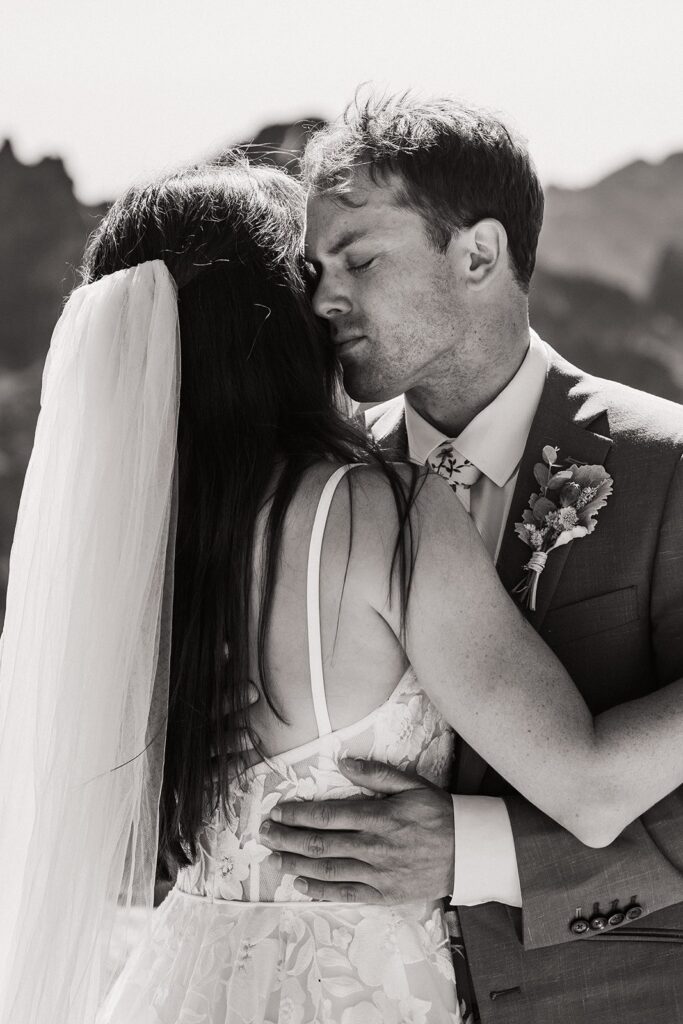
(358, 268)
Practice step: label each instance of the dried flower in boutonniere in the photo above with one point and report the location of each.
(566, 508)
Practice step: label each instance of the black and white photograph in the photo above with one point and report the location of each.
(341, 512)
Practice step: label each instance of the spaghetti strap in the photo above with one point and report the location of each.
(315, 650)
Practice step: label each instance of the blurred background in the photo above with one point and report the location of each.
(95, 94)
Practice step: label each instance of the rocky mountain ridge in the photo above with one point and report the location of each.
(616, 230)
(608, 291)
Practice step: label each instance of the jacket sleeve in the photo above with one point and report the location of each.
(561, 879)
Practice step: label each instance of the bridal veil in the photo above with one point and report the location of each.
(85, 653)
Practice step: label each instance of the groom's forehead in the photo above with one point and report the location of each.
(333, 218)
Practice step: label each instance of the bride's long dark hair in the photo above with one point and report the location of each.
(260, 389)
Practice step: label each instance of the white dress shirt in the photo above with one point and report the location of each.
(494, 441)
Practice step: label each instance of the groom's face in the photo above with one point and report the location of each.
(393, 302)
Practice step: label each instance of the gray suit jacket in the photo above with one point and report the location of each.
(611, 607)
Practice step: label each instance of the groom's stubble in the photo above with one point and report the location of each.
(421, 329)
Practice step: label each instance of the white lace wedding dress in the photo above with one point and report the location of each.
(234, 941)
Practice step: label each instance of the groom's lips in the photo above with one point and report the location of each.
(344, 345)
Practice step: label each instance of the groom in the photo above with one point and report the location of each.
(423, 222)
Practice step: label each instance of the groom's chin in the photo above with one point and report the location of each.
(366, 392)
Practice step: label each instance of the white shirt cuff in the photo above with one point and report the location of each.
(485, 866)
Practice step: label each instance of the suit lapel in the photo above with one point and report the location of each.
(568, 409)
(567, 418)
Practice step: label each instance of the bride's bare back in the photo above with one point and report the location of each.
(363, 659)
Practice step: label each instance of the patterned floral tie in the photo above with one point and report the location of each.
(461, 474)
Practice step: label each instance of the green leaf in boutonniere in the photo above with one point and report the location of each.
(565, 509)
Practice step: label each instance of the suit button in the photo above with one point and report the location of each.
(579, 926)
(615, 919)
(598, 923)
(634, 912)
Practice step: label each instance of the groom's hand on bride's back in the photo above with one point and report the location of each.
(245, 747)
(366, 850)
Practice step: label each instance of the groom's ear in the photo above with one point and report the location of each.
(486, 247)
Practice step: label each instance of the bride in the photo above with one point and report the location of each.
(179, 544)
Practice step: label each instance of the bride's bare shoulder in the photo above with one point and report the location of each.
(433, 506)
(362, 528)
(373, 496)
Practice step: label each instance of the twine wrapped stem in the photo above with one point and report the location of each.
(535, 565)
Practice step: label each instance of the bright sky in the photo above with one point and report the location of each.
(124, 88)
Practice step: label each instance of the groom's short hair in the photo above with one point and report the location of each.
(458, 165)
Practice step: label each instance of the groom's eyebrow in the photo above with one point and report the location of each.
(345, 239)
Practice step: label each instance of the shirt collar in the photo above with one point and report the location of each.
(495, 439)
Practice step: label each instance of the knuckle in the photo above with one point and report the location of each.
(323, 815)
(328, 870)
(348, 893)
(315, 845)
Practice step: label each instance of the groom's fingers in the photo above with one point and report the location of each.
(339, 892)
(380, 777)
(404, 839)
(338, 870)
(243, 740)
(330, 814)
(312, 843)
(242, 744)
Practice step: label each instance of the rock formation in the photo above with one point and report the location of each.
(608, 292)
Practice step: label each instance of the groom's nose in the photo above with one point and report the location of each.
(329, 299)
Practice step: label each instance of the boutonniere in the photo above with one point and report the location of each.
(566, 508)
